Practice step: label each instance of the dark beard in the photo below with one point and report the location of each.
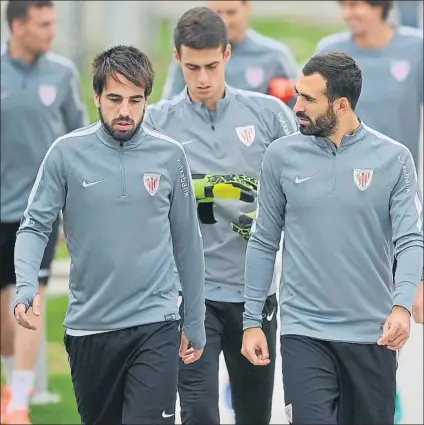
(324, 126)
(120, 136)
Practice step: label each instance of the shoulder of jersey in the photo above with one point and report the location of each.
(334, 40)
(267, 42)
(412, 37)
(161, 138)
(61, 62)
(3, 49)
(165, 106)
(378, 140)
(256, 98)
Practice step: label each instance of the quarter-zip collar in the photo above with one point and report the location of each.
(109, 141)
(203, 111)
(347, 140)
(20, 64)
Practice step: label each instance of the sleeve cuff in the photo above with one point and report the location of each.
(251, 323)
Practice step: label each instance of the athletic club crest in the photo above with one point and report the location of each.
(400, 70)
(255, 76)
(151, 182)
(289, 413)
(47, 94)
(246, 134)
(362, 178)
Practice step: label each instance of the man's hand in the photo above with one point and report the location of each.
(255, 347)
(238, 187)
(188, 355)
(418, 307)
(396, 329)
(21, 310)
(244, 226)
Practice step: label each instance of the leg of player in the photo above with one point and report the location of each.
(252, 386)
(27, 346)
(310, 381)
(7, 280)
(7, 344)
(198, 383)
(150, 389)
(367, 374)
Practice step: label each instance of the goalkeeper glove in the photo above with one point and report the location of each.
(244, 226)
(236, 187)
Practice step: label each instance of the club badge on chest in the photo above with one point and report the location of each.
(362, 178)
(47, 94)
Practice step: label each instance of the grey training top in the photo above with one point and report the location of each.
(230, 141)
(39, 103)
(342, 210)
(392, 92)
(128, 210)
(253, 64)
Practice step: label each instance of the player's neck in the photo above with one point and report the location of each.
(345, 128)
(212, 102)
(376, 38)
(17, 51)
(239, 38)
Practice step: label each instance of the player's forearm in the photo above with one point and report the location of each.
(191, 270)
(259, 274)
(29, 250)
(408, 274)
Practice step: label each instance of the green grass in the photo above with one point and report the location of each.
(302, 38)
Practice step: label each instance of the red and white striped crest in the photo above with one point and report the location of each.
(362, 178)
(151, 182)
(47, 94)
(400, 70)
(255, 76)
(246, 134)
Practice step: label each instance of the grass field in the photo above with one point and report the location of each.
(302, 38)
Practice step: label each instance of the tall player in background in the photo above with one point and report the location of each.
(224, 132)
(40, 101)
(258, 63)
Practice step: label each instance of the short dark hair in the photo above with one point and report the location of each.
(200, 28)
(386, 6)
(128, 61)
(18, 9)
(342, 74)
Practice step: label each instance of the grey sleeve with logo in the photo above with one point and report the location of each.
(174, 83)
(74, 110)
(285, 123)
(406, 213)
(264, 241)
(188, 252)
(46, 200)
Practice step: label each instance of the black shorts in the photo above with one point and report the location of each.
(251, 386)
(338, 382)
(127, 376)
(7, 254)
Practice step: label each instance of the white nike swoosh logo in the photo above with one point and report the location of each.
(86, 184)
(299, 180)
(165, 415)
(188, 142)
(270, 316)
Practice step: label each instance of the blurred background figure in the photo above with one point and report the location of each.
(391, 59)
(258, 63)
(40, 101)
(409, 12)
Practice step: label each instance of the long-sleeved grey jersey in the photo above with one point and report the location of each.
(39, 103)
(392, 92)
(342, 210)
(253, 64)
(231, 142)
(128, 210)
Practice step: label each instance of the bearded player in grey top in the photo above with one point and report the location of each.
(344, 194)
(128, 211)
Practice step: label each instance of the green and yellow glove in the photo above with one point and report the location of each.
(238, 187)
(244, 226)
